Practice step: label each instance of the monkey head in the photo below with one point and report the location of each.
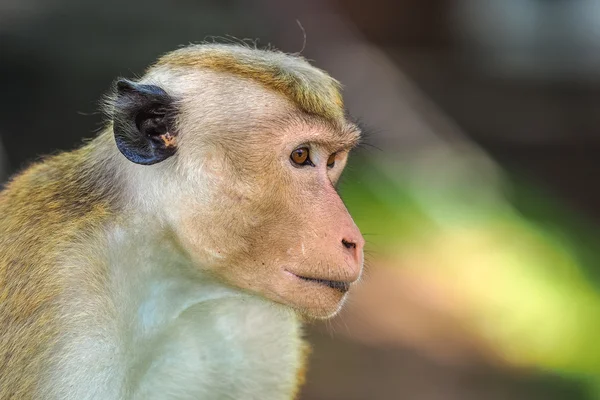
(239, 152)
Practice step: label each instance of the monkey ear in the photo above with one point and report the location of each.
(144, 123)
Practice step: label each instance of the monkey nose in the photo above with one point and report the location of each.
(353, 245)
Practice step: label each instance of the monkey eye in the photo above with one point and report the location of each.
(300, 156)
(331, 161)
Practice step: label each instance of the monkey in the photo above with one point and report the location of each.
(178, 254)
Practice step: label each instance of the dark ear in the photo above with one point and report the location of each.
(143, 123)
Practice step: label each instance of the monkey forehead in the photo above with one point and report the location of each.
(217, 104)
(309, 88)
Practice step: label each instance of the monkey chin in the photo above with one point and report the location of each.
(313, 299)
(321, 313)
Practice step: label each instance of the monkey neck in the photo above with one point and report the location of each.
(154, 276)
(186, 329)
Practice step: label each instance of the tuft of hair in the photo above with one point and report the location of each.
(309, 88)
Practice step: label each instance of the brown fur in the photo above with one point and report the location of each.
(310, 89)
(302, 369)
(45, 211)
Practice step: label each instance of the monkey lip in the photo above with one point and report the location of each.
(340, 286)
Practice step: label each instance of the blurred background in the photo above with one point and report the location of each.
(476, 189)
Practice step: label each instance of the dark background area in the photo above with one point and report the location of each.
(530, 102)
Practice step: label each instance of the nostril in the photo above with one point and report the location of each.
(348, 245)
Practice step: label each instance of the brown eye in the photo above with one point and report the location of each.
(331, 161)
(300, 156)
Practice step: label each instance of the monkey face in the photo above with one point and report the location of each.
(249, 188)
(271, 221)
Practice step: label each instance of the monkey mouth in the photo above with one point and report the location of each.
(340, 286)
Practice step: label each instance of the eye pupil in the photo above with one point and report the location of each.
(300, 156)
